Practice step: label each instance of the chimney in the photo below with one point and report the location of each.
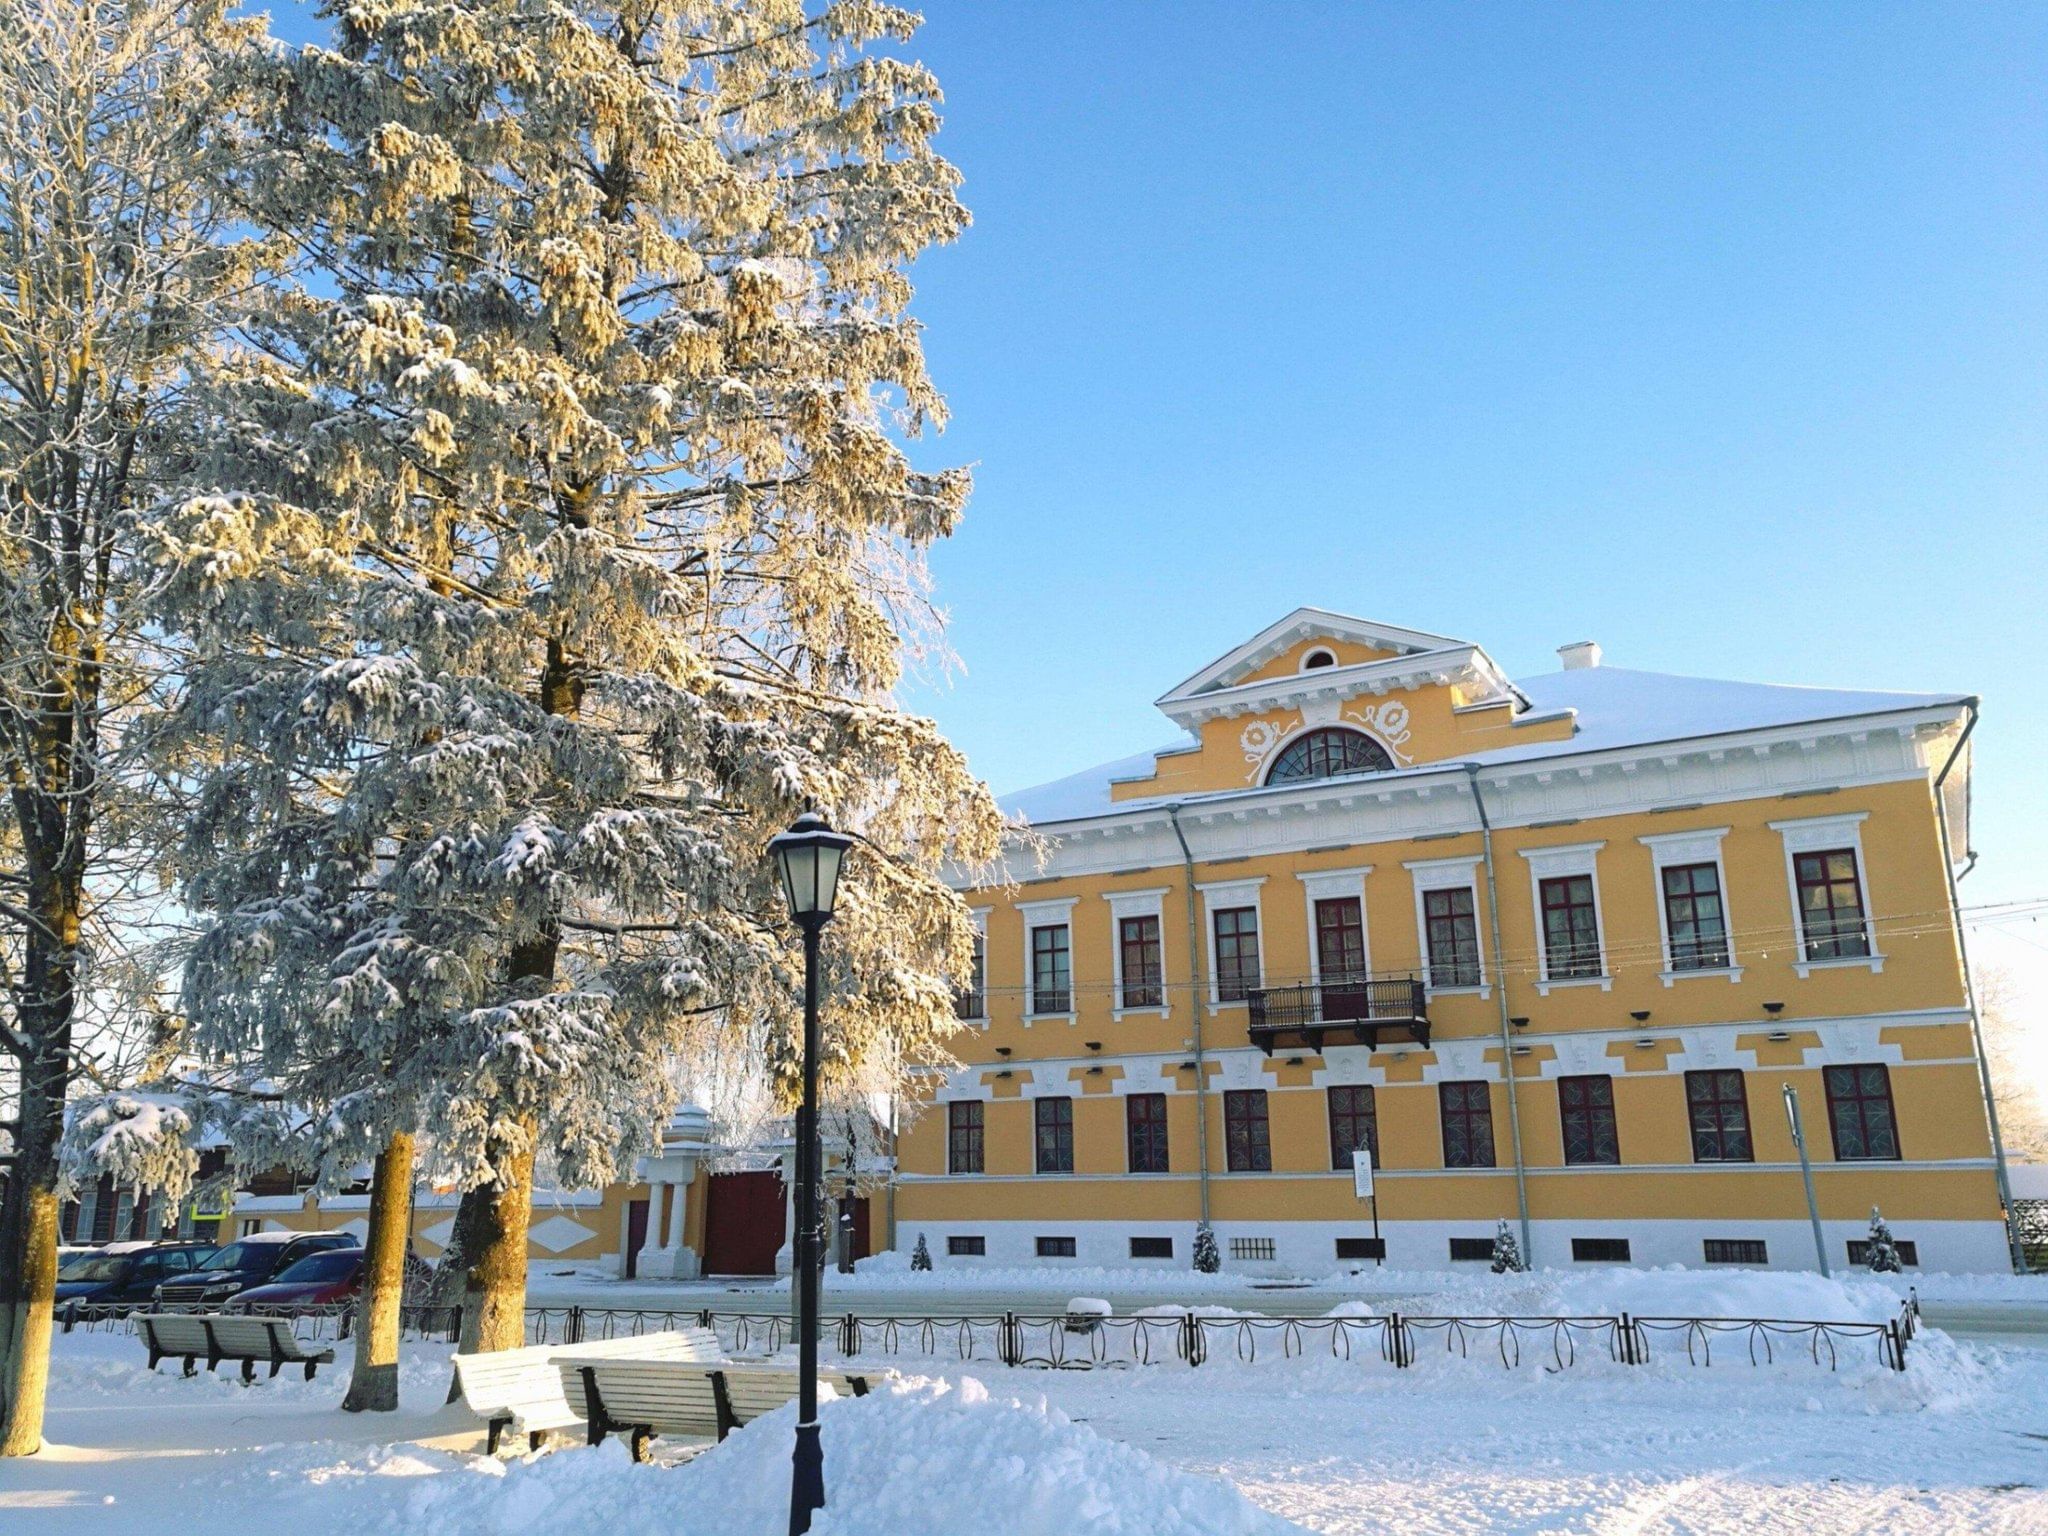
(1579, 654)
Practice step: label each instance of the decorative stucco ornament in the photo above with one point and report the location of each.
(1389, 722)
(1258, 739)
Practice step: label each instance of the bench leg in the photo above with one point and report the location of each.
(311, 1367)
(191, 1365)
(248, 1372)
(535, 1439)
(492, 1434)
(642, 1437)
(275, 1367)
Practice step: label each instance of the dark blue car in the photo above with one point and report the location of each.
(246, 1262)
(124, 1274)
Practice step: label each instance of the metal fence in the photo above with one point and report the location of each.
(1084, 1341)
(1081, 1341)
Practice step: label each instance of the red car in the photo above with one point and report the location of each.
(316, 1280)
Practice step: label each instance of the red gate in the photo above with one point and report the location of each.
(743, 1223)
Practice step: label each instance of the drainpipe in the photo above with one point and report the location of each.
(1507, 1039)
(1955, 906)
(1197, 999)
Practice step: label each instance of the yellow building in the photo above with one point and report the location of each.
(1550, 949)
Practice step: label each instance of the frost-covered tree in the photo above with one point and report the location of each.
(920, 1256)
(564, 551)
(1880, 1252)
(2015, 1020)
(114, 269)
(1207, 1259)
(1507, 1253)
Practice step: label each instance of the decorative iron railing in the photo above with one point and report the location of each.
(1359, 1006)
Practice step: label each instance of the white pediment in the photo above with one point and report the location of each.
(1234, 666)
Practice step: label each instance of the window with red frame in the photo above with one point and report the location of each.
(1247, 1147)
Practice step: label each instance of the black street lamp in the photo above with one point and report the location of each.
(808, 855)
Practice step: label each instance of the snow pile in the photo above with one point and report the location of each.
(929, 1456)
(914, 1457)
(1185, 1309)
(1671, 1292)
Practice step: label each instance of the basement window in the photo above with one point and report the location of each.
(1736, 1250)
(1599, 1250)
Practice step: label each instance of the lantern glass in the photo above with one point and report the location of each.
(810, 855)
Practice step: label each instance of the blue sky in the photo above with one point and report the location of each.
(1715, 334)
(1711, 333)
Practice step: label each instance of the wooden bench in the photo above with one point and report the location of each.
(644, 1398)
(214, 1337)
(521, 1388)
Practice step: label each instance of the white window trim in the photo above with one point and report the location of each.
(1123, 904)
(979, 917)
(1055, 913)
(1330, 885)
(1701, 847)
(1221, 895)
(1810, 834)
(1461, 873)
(1554, 864)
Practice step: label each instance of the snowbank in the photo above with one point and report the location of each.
(929, 1456)
(1672, 1292)
(914, 1457)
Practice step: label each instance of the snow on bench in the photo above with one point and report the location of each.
(645, 1398)
(223, 1336)
(521, 1387)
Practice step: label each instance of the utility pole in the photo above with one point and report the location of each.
(1820, 1243)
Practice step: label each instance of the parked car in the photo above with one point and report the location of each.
(246, 1262)
(124, 1273)
(317, 1280)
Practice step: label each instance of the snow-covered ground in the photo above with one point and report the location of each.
(1958, 1443)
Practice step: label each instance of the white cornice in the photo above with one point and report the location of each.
(1436, 800)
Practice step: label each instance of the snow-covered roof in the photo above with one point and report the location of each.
(1085, 793)
(1612, 708)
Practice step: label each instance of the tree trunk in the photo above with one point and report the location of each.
(28, 1264)
(374, 1384)
(28, 1217)
(451, 1271)
(494, 1292)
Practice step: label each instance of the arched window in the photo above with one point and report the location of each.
(1318, 658)
(1328, 754)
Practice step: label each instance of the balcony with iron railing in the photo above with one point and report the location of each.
(1345, 1010)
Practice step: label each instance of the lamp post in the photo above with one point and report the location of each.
(808, 856)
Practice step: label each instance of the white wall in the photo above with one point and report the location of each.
(1309, 1248)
